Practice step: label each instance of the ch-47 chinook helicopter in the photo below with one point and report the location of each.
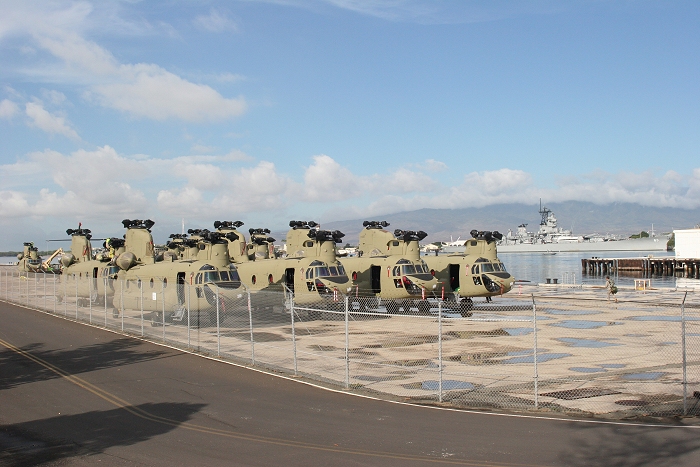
(29, 260)
(389, 267)
(84, 275)
(475, 273)
(310, 271)
(160, 286)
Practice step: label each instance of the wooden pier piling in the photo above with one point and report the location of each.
(646, 266)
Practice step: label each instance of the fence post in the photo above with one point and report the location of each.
(440, 350)
(105, 302)
(76, 297)
(534, 350)
(90, 298)
(252, 338)
(162, 293)
(685, 380)
(44, 276)
(189, 292)
(294, 336)
(65, 294)
(218, 324)
(347, 344)
(54, 294)
(140, 283)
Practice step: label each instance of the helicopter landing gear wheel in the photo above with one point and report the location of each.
(392, 308)
(156, 318)
(424, 307)
(465, 307)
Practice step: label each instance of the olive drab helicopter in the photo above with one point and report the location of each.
(29, 260)
(389, 266)
(475, 273)
(86, 276)
(310, 270)
(160, 286)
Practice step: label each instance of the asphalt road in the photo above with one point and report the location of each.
(75, 395)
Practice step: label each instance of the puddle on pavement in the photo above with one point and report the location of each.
(637, 335)
(649, 376)
(517, 331)
(580, 393)
(542, 357)
(447, 385)
(581, 324)
(579, 369)
(591, 343)
(612, 365)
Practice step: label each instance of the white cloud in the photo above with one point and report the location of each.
(215, 22)
(326, 180)
(140, 90)
(431, 165)
(8, 109)
(150, 91)
(45, 121)
(13, 204)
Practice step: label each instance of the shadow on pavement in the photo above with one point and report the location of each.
(616, 446)
(18, 370)
(66, 436)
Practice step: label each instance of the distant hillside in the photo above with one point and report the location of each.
(583, 218)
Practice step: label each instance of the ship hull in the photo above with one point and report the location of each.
(641, 244)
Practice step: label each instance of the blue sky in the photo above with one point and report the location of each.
(267, 111)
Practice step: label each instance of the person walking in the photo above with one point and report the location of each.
(610, 287)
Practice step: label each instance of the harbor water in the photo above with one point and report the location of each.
(566, 267)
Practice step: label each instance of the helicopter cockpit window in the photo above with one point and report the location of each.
(396, 271)
(403, 261)
(408, 269)
(475, 269)
(322, 271)
(309, 273)
(329, 271)
(198, 278)
(341, 270)
(481, 260)
(395, 243)
(487, 267)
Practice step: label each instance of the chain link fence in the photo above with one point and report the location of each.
(564, 349)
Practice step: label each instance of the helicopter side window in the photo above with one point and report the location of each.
(396, 271)
(333, 270)
(322, 272)
(198, 278)
(211, 276)
(475, 269)
(224, 276)
(309, 273)
(309, 244)
(341, 270)
(233, 273)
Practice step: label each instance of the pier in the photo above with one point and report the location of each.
(646, 266)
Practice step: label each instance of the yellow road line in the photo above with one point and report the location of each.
(122, 404)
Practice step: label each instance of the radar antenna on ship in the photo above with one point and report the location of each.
(544, 212)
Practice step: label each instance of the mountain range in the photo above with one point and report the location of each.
(581, 217)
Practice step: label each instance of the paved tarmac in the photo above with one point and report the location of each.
(75, 395)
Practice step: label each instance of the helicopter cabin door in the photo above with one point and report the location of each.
(289, 278)
(94, 280)
(376, 279)
(454, 276)
(180, 288)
